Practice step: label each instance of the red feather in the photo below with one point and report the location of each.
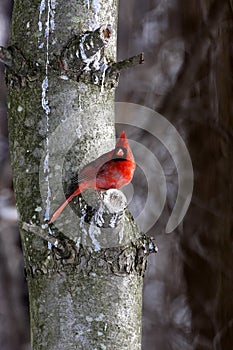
(114, 169)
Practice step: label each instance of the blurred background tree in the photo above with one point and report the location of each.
(187, 77)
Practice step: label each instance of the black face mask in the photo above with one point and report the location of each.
(120, 153)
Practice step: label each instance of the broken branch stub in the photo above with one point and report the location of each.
(84, 52)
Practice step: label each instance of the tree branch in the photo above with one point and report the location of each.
(127, 63)
(41, 232)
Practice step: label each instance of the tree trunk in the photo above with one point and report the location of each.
(84, 277)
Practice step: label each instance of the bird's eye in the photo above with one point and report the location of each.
(120, 152)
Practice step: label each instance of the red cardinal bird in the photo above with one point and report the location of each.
(114, 169)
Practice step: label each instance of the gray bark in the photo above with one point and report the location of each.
(83, 295)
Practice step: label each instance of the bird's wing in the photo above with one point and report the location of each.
(90, 171)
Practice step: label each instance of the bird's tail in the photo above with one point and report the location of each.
(63, 205)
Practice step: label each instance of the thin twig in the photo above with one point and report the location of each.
(127, 63)
(64, 248)
(43, 233)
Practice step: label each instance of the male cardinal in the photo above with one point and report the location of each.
(114, 169)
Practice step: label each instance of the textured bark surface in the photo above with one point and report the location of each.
(92, 299)
(93, 312)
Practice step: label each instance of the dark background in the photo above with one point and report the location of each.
(187, 77)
